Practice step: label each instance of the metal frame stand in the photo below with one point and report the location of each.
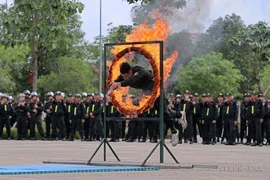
(161, 143)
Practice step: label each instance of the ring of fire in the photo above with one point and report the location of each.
(148, 100)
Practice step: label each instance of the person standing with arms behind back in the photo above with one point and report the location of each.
(58, 109)
(48, 118)
(22, 110)
(256, 114)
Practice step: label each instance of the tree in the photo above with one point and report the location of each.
(11, 60)
(39, 23)
(142, 1)
(210, 73)
(72, 76)
(144, 12)
(252, 45)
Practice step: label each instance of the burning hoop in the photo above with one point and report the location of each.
(148, 101)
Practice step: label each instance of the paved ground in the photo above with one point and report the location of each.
(234, 162)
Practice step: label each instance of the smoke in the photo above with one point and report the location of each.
(192, 18)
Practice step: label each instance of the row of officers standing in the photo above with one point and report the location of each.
(82, 113)
(218, 121)
(212, 121)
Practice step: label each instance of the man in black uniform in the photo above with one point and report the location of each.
(58, 110)
(265, 124)
(196, 117)
(76, 116)
(230, 115)
(48, 118)
(178, 106)
(114, 125)
(188, 109)
(256, 114)
(220, 125)
(209, 116)
(139, 78)
(12, 105)
(35, 109)
(22, 110)
(5, 115)
(69, 103)
(244, 115)
(96, 125)
(267, 119)
(89, 100)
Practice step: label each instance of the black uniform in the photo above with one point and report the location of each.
(209, 114)
(230, 114)
(96, 125)
(196, 117)
(36, 119)
(77, 115)
(188, 109)
(256, 112)
(114, 125)
(22, 110)
(149, 126)
(5, 114)
(58, 111)
(48, 119)
(244, 114)
(178, 106)
(87, 120)
(143, 79)
(220, 124)
(67, 118)
(266, 122)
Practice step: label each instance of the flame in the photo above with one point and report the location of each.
(159, 31)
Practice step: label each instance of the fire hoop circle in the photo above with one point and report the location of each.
(149, 101)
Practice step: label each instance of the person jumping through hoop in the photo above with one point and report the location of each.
(139, 78)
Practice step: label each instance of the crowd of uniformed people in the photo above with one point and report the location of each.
(221, 120)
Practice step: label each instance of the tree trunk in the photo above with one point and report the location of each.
(266, 91)
(260, 86)
(35, 63)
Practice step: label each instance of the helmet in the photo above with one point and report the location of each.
(11, 98)
(178, 96)
(101, 95)
(78, 96)
(21, 95)
(58, 93)
(62, 94)
(50, 94)
(84, 94)
(34, 94)
(4, 96)
(1, 94)
(27, 92)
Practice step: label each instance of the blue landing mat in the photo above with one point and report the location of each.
(59, 168)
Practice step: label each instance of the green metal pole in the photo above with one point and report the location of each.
(161, 115)
(104, 106)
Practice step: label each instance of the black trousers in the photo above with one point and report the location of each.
(98, 126)
(147, 129)
(36, 120)
(58, 123)
(3, 122)
(114, 129)
(48, 121)
(209, 130)
(22, 125)
(189, 131)
(92, 129)
(123, 129)
(229, 129)
(256, 130)
(266, 129)
(67, 126)
(243, 128)
(77, 125)
(196, 124)
(86, 127)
